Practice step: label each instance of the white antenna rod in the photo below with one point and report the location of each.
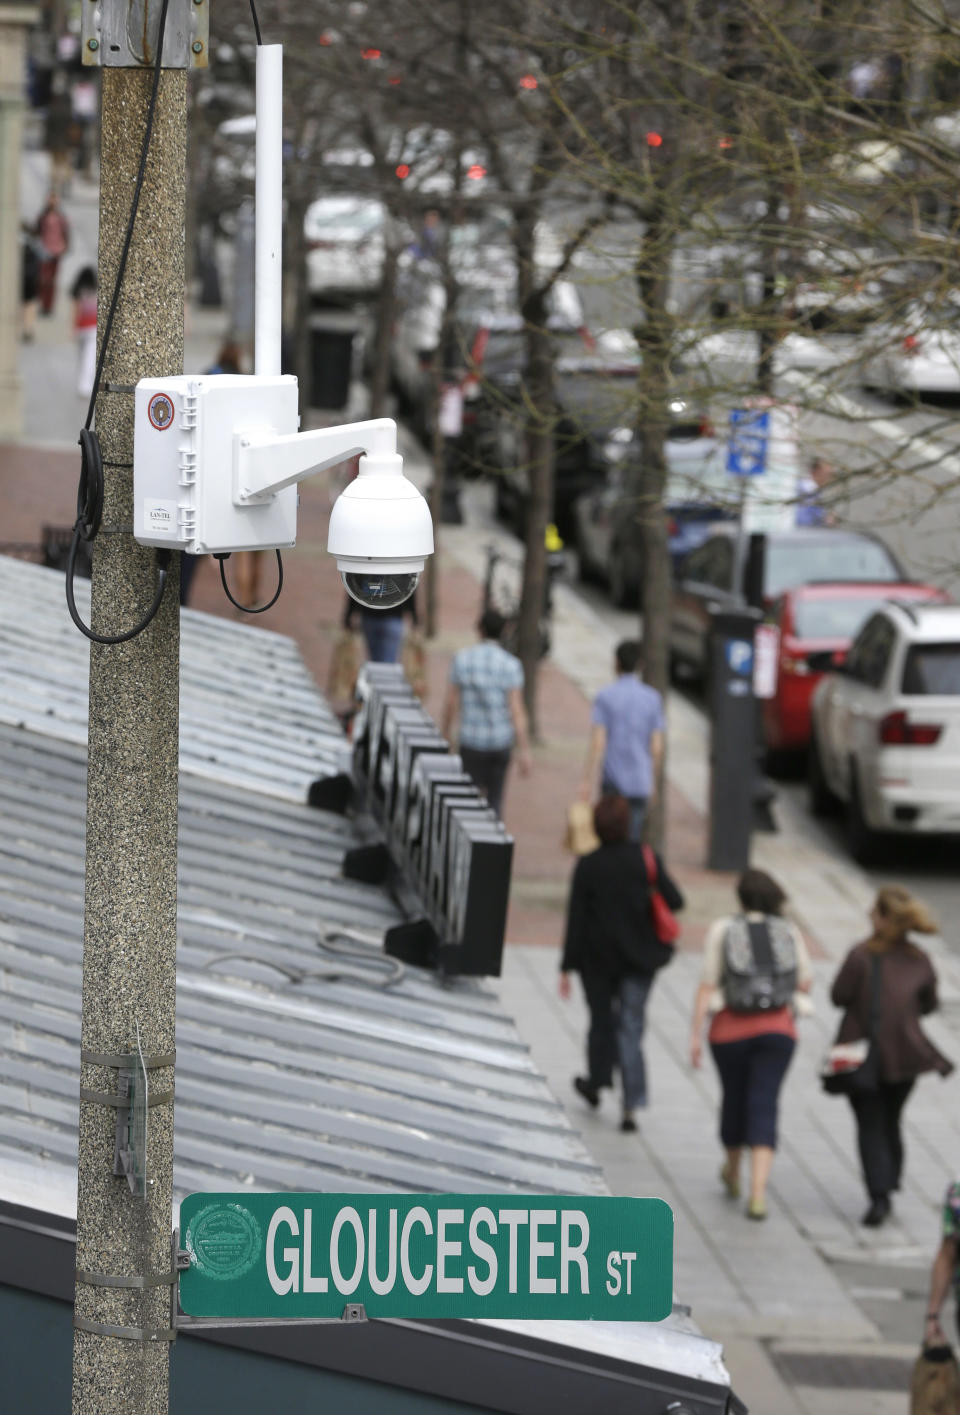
(269, 208)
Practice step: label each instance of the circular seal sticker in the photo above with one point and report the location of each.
(160, 411)
(224, 1241)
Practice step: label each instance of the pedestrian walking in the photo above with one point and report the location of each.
(627, 737)
(945, 1273)
(382, 629)
(755, 970)
(885, 985)
(57, 132)
(29, 285)
(83, 292)
(485, 693)
(52, 231)
(611, 941)
(935, 1386)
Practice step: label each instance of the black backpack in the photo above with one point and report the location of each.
(759, 964)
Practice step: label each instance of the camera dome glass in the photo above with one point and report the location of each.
(380, 591)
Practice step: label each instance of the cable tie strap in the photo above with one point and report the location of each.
(112, 1099)
(138, 1283)
(109, 386)
(125, 1333)
(120, 1061)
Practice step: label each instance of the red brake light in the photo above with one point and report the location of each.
(911, 344)
(896, 730)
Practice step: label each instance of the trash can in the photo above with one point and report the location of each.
(331, 362)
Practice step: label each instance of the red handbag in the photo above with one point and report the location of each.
(665, 923)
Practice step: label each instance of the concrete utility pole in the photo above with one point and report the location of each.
(122, 1310)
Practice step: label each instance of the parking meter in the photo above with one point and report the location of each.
(733, 721)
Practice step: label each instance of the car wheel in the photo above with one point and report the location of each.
(862, 841)
(586, 570)
(779, 762)
(822, 800)
(505, 501)
(623, 594)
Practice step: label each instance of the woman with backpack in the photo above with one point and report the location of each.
(612, 942)
(886, 984)
(754, 964)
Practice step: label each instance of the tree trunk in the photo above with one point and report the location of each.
(296, 296)
(540, 451)
(383, 332)
(438, 443)
(656, 341)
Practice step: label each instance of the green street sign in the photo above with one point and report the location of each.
(427, 1255)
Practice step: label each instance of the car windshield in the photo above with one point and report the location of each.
(701, 480)
(792, 563)
(833, 618)
(932, 670)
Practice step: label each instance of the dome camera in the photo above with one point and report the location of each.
(380, 534)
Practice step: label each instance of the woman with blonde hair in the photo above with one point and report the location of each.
(886, 984)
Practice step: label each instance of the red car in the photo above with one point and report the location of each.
(817, 624)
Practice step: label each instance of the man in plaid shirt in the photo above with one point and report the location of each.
(486, 693)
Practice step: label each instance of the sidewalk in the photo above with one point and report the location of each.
(817, 1314)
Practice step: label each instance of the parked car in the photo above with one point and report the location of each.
(816, 625)
(484, 343)
(886, 728)
(596, 390)
(919, 354)
(606, 523)
(345, 246)
(729, 571)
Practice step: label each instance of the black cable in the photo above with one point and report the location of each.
(91, 490)
(141, 173)
(256, 22)
(235, 602)
(163, 567)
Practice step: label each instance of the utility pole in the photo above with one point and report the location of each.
(123, 1290)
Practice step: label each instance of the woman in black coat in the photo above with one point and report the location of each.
(886, 984)
(610, 942)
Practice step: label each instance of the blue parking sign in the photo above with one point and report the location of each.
(747, 449)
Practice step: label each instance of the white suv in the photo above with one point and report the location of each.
(886, 728)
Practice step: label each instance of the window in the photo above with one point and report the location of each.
(932, 669)
(870, 654)
(792, 562)
(832, 618)
(712, 564)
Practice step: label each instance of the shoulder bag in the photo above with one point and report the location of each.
(665, 924)
(851, 1068)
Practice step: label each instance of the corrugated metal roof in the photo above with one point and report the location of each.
(317, 1083)
(250, 712)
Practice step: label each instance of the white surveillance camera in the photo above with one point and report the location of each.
(380, 533)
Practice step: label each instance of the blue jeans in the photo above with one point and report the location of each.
(384, 635)
(618, 1014)
(638, 810)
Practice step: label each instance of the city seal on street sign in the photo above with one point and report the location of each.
(224, 1241)
(544, 1257)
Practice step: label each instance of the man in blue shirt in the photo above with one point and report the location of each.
(486, 693)
(627, 736)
